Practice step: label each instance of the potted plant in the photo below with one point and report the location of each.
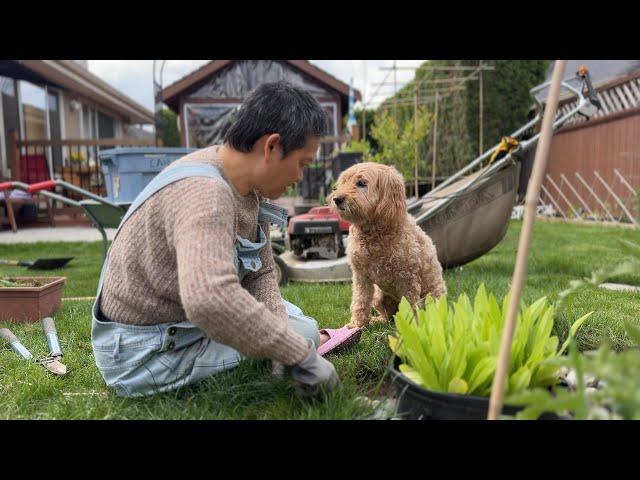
(445, 356)
(29, 299)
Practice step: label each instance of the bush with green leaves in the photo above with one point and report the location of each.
(358, 146)
(455, 348)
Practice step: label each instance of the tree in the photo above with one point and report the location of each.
(506, 98)
(453, 146)
(167, 126)
(398, 142)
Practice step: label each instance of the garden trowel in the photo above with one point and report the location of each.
(39, 264)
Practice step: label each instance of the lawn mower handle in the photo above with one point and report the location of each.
(38, 187)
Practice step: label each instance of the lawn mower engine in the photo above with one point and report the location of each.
(317, 234)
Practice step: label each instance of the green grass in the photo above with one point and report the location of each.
(560, 253)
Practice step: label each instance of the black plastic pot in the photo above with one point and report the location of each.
(418, 403)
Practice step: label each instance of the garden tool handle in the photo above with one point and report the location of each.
(14, 263)
(15, 343)
(593, 96)
(52, 336)
(37, 187)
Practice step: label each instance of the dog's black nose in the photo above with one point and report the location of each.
(338, 200)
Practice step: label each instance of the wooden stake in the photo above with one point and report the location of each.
(481, 108)
(520, 272)
(415, 129)
(435, 138)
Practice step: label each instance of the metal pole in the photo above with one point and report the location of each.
(395, 98)
(520, 272)
(575, 192)
(620, 202)
(364, 94)
(604, 207)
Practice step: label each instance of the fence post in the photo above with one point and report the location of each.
(14, 155)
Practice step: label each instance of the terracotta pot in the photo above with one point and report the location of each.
(31, 304)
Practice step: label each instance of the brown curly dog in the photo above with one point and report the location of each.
(390, 256)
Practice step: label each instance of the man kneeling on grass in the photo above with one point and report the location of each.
(188, 289)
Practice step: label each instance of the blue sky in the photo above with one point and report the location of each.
(134, 77)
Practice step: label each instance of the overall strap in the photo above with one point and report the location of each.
(167, 177)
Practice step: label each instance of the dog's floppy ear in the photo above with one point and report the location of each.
(392, 203)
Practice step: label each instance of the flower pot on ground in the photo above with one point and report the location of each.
(418, 403)
(447, 355)
(29, 299)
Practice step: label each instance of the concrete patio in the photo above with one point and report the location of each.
(55, 234)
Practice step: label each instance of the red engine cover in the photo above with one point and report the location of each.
(320, 214)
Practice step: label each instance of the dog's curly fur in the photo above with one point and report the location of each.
(390, 256)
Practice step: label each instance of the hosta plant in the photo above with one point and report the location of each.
(454, 348)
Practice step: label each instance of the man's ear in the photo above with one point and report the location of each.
(272, 148)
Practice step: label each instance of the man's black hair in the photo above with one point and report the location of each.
(278, 107)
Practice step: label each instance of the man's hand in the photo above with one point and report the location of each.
(313, 372)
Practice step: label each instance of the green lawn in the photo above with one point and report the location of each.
(560, 253)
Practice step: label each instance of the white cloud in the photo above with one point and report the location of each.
(134, 77)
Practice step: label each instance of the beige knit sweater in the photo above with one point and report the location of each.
(173, 261)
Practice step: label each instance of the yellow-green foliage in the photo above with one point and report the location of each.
(454, 348)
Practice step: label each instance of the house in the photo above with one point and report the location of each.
(47, 105)
(205, 99)
(594, 164)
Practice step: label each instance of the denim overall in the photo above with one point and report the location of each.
(142, 360)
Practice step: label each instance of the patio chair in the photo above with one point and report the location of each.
(33, 169)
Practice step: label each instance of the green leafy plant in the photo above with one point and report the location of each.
(357, 146)
(618, 373)
(618, 395)
(398, 141)
(455, 348)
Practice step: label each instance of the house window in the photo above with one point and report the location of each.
(9, 118)
(7, 86)
(106, 126)
(207, 123)
(89, 123)
(34, 111)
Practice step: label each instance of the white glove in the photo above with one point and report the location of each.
(313, 372)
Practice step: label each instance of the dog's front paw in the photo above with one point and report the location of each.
(379, 319)
(355, 324)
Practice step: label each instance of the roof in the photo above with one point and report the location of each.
(70, 75)
(172, 93)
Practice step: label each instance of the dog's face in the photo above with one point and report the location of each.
(369, 193)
